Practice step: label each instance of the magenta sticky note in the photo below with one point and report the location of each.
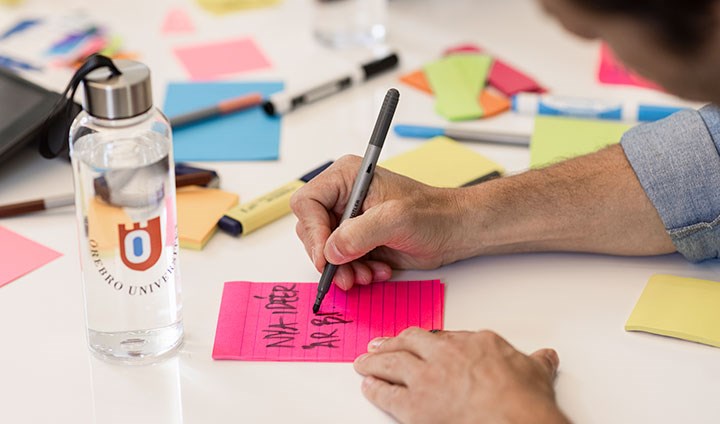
(274, 321)
(213, 60)
(510, 81)
(612, 71)
(19, 256)
(177, 21)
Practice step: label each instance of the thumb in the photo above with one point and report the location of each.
(356, 237)
(548, 360)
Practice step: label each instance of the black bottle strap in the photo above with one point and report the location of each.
(64, 106)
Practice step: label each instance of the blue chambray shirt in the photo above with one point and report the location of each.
(677, 161)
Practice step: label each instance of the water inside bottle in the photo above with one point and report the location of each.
(128, 245)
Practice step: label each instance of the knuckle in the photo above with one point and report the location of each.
(296, 199)
(410, 332)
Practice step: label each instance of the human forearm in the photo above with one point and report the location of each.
(590, 204)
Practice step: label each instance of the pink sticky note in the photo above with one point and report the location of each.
(19, 255)
(503, 77)
(213, 60)
(177, 21)
(612, 71)
(274, 321)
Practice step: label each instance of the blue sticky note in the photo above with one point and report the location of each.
(239, 136)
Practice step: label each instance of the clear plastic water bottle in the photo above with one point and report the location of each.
(121, 150)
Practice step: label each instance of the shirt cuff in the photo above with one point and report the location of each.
(678, 165)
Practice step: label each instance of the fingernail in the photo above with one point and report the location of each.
(361, 357)
(375, 343)
(367, 382)
(312, 255)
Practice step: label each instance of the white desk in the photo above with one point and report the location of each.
(575, 303)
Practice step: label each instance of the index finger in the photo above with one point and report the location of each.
(318, 203)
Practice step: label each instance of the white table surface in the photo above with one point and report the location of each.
(576, 303)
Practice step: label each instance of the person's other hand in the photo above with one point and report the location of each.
(404, 224)
(459, 377)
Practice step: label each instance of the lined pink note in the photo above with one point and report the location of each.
(213, 60)
(274, 321)
(612, 71)
(19, 256)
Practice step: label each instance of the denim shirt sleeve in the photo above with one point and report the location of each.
(678, 165)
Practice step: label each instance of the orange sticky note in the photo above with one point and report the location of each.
(199, 210)
(492, 104)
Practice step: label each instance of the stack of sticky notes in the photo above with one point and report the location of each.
(442, 162)
(558, 138)
(199, 210)
(684, 308)
(470, 84)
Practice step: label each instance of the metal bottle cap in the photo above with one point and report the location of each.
(121, 96)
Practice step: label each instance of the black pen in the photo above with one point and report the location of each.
(283, 102)
(362, 182)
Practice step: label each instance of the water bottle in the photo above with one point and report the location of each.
(121, 151)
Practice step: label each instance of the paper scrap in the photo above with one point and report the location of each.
(557, 138)
(442, 162)
(245, 135)
(213, 60)
(612, 71)
(177, 21)
(684, 308)
(456, 82)
(491, 103)
(20, 255)
(199, 209)
(274, 321)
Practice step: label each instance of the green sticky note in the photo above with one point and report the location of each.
(456, 82)
(559, 138)
(685, 308)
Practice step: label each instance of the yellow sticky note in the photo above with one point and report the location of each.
(199, 210)
(226, 6)
(559, 138)
(442, 162)
(684, 308)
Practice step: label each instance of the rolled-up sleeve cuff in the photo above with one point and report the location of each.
(678, 165)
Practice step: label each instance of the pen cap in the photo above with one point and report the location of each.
(111, 96)
(387, 110)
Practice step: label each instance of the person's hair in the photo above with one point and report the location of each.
(682, 25)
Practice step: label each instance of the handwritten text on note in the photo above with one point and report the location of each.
(274, 321)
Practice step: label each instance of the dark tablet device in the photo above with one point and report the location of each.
(24, 107)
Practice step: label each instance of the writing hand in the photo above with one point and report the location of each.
(459, 377)
(404, 224)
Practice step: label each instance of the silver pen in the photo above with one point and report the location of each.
(362, 182)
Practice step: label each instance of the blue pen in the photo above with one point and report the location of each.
(536, 104)
(19, 27)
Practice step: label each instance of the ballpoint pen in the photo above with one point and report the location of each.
(362, 182)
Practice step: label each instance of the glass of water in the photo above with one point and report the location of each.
(350, 23)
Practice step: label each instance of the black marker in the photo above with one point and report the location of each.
(362, 182)
(284, 102)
